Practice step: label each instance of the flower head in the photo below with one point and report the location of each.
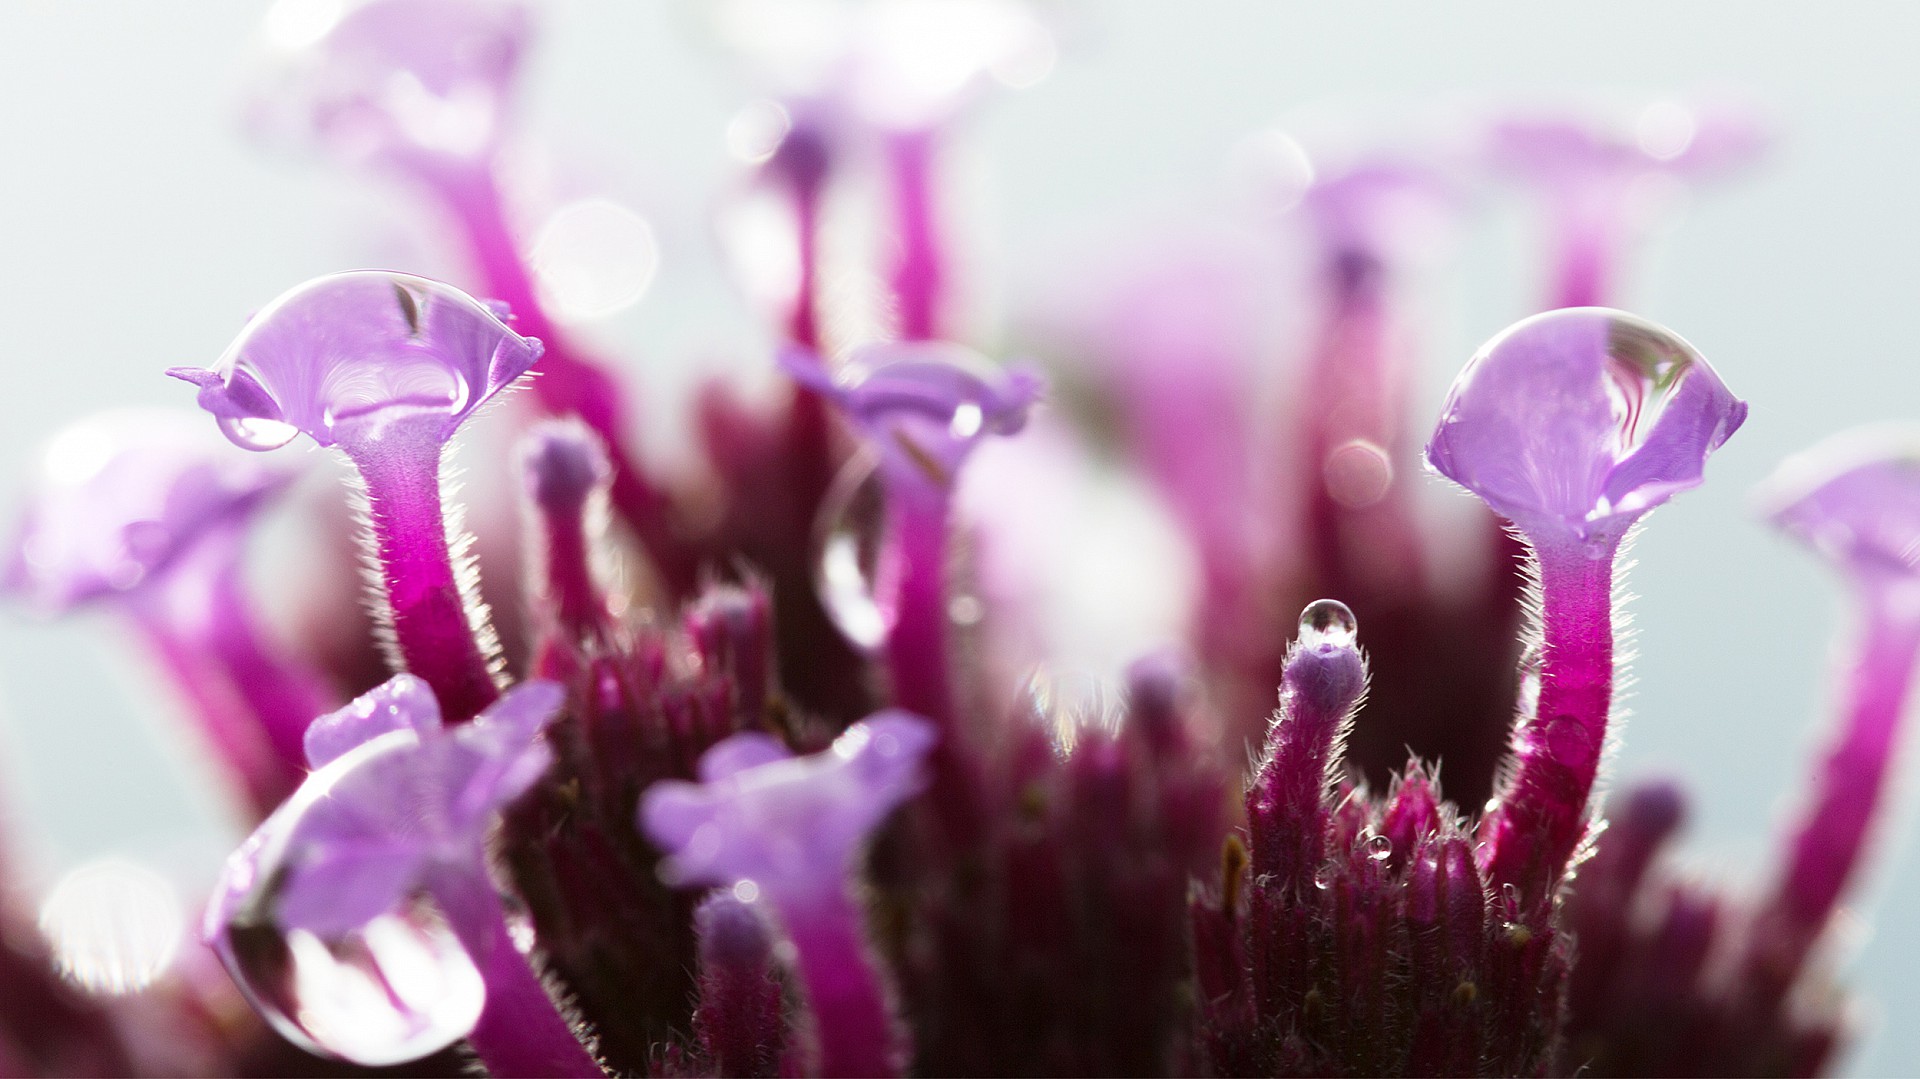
(122, 497)
(343, 356)
(1574, 423)
(788, 824)
(376, 862)
(1856, 499)
(924, 406)
(399, 80)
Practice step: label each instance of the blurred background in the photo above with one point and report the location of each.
(139, 227)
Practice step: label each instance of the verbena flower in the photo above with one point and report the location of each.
(752, 791)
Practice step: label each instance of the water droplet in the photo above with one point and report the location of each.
(1379, 848)
(394, 990)
(1646, 365)
(114, 926)
(1327, 623)
(746, 891)
(851, 548)
(1323, 877)
(257, 434)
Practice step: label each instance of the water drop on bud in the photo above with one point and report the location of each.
(1327, 624)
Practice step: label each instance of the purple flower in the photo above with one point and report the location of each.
(1855, 498)
(408, 81)
(386, 366)
(345, 357)
(148, 512)
(1600, 180)
(786, 831)
(122, 498)
(791, 825)
(376, 872)
(923, 406)
(1574, 423)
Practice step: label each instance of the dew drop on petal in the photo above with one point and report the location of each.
(257, 434)
(114, 926)
(398, 988)
(851, 549)
(1379, 848)
(1327, 623)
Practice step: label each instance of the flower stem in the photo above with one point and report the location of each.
(853, 1032)
(284, 695)
(913, 585)
(520, 1031)
(1832, 832)
(229, 730)
(429, 610)
(569, 383)
(918, 274)
(1542, 814)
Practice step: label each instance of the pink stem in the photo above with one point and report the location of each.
(283, 694)
(1541, 817)
(913, 584)
(520, 1031)
(569, 383)
(229, 728)
(429, 610)
(854, 1034)
(919, 274)
(1825, 851)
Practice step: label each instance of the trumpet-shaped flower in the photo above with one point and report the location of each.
(1574, 423)
(345, 357)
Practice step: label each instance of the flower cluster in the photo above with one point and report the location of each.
(762, 771)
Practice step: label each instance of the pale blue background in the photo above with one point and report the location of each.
(137, 229)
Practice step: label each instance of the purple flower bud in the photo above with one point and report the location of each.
(1574, 423)
(398, 80)
(1287, 813)
(375, 875)
(345, 357)
(786, 831)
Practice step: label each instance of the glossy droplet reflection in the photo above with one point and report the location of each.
(257, 434)
(1646, 365)
(1326, 624)
(851, 544)
(394, 990)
